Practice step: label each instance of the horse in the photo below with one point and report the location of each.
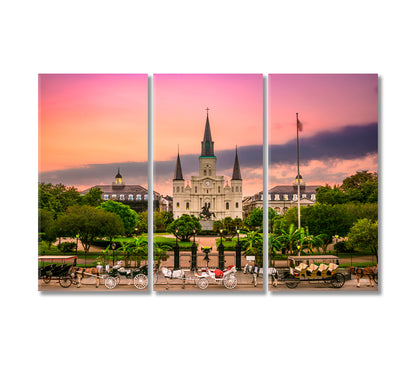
(173, 274)
(363, 272)
(257, 271)
(80, 273)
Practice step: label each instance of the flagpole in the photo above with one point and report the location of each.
(298, 176)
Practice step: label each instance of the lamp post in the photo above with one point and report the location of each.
(193, 256)
(113, 246)
(221, 253)
(76, 249)
(176, 252)
(336, 242)
(238, 251)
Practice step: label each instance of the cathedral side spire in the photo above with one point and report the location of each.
(178, 170)
(207, 145)
(236, 170)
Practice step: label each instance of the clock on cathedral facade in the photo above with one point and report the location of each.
(208, 189)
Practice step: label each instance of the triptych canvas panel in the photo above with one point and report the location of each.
(214, 139)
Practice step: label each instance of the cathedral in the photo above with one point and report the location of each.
(208, 190)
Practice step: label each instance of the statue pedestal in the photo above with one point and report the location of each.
(207, 224)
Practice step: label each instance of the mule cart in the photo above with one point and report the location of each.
(138, 276)
(319, 268)
(58, 270)
(225, 277)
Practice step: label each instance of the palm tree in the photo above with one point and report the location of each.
(253, 245)
(290, 238)
(160, 253)
(312, 241)
(275, 246)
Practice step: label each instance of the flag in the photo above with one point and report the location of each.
(300, 126)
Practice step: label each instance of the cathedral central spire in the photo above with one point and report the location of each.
(207, 145)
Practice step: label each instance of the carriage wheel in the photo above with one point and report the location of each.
(46, 279)
(65, 281)
(291, 281)
(202, 283)
(338, 280)
(140, 281)
(110, 282)
(230, 281)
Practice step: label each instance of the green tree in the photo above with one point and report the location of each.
(275, 247)
(89, 223)
(142, 222)
(57, 198)
(161, 220)
(47, 226)
(185, 226)
(93, 197)
(363, 236)
(127, 215)
(331, 196)
(135, 250)
(254, 219)
(361, 187)
(289, 239)
(252, 244)
(160, 253)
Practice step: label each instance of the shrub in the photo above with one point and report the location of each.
(67, 246)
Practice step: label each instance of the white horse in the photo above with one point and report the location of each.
(258, 271)
(173, 274)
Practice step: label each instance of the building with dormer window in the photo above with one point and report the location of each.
(283, 197)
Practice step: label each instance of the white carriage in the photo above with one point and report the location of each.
(226, 277)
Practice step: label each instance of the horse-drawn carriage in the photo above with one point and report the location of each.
(225, 277)
(57, 268)
(319, 268)
(138, 276)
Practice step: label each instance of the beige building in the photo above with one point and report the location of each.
(207, 189)
(282, 197)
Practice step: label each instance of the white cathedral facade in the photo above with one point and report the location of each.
(208, 189)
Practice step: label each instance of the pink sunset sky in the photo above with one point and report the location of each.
(339, 114)
(90, 120)
(235, 103)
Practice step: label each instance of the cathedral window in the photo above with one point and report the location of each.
(232, 189)
(209, 171)
(205, 172)
(177, 205)
(236, 205)
(227, 206)
(196, 189)
(130, 197)
(219, 189)
(187, 206)
(181, 189)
